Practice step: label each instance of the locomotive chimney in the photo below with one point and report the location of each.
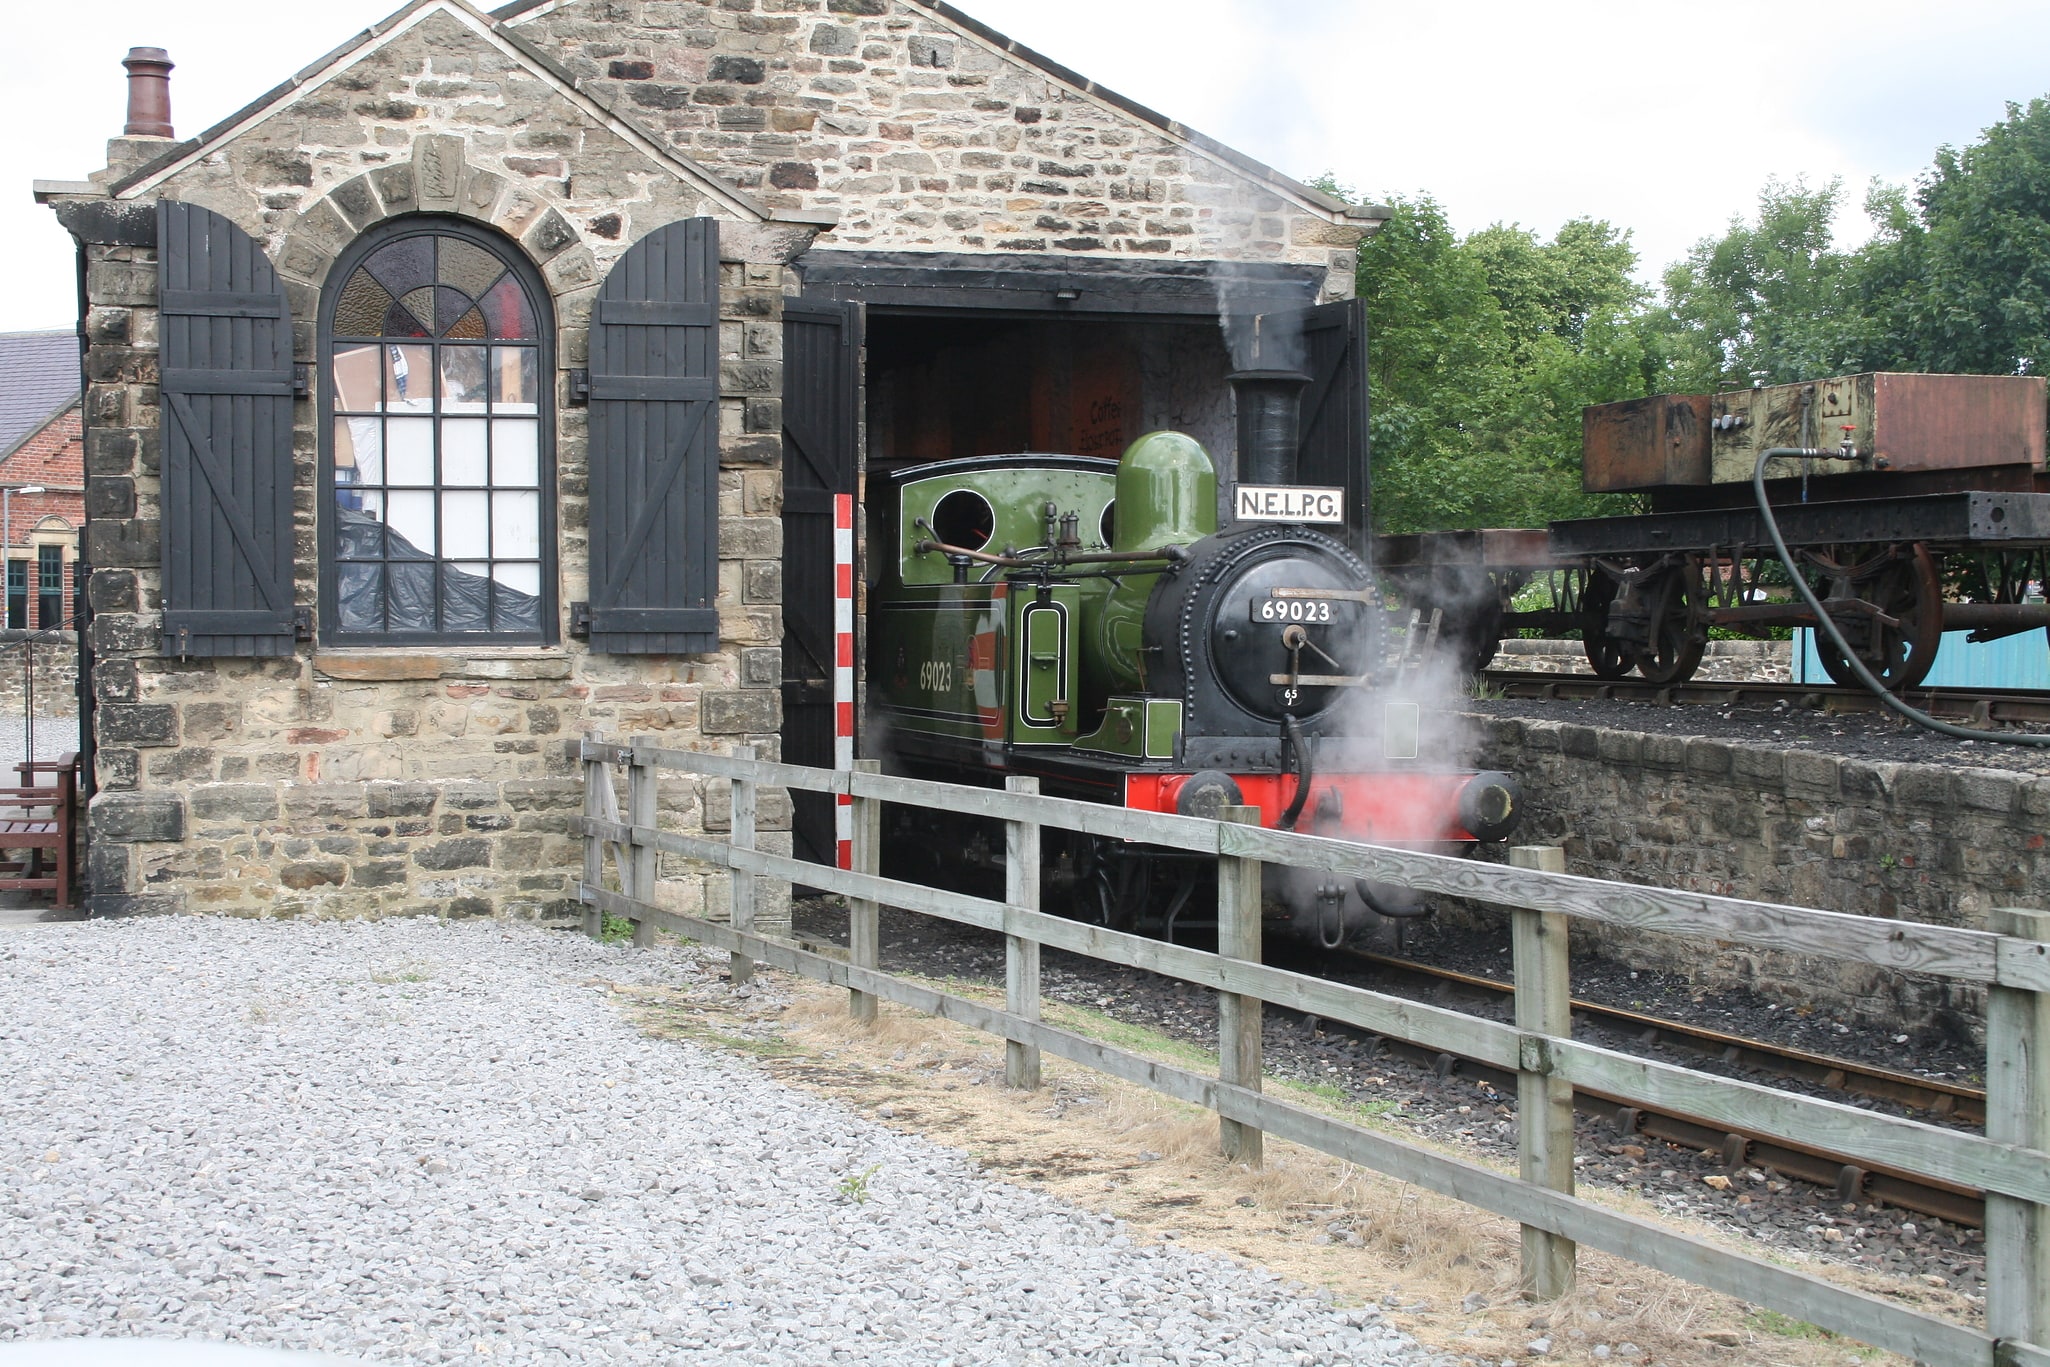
(1269, 406)
(149, 93)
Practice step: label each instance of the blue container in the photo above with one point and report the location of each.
(2020, 661)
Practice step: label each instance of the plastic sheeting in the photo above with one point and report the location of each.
(384, 583)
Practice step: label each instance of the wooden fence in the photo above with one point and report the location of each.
(2012, 961)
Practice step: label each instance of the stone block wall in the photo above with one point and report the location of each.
(366, 781)
(1914, 842)
(927, 135)
(54, 655)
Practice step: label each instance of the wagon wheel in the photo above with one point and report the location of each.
(1679, 635)
(1605, 654)
(1899, 580)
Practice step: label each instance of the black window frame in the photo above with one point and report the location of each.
(543, 304)
(49, 587)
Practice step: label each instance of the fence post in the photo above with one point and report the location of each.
(1544, 1103)
(643, 809)
(1238, 1017)
(1021, 955)
(864, 917)
(741, 885)
(2018, 1112)
(596, 773)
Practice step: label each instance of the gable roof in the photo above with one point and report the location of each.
(38, 381)
(1309, 196)
(148, 177)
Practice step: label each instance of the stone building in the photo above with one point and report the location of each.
(42, 468)
(493, 378)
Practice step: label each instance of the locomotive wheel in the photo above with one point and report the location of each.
(1678, 640)
(1900, 581)
(1605, 654)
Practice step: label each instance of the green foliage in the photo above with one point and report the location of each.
(854, 1186)
(613, 930)
(1482, 352)
(1765, 301)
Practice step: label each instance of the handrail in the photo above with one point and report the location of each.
(2011, 1162)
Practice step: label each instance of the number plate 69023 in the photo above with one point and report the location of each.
(1291, 609)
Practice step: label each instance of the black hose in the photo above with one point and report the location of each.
(1826, 623)
(1293, 745)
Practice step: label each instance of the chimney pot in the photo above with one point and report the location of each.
(149, 93)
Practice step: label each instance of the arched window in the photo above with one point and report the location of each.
(437, 471)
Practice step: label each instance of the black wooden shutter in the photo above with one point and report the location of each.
(1333, 450)
(819, 345)
(225, 339)
(655, 446)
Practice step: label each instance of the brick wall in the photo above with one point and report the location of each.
(54, 457)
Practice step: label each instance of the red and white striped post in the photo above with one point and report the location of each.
(843, 671)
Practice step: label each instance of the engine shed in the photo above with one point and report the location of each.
(503, 375)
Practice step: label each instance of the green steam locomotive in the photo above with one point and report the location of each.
(1085, 621)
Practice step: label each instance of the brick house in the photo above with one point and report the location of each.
(493, 377)
(41, 449)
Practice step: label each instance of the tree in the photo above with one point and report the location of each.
(1482, 352)
(1961, 282)
(1766, 300)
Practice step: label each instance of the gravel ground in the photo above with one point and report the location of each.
(1792, 1219)
(53, 736)
(1871, 736)
(420, 1142)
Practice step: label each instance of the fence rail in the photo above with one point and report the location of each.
(2013, 960)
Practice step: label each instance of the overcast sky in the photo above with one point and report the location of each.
(1663, 118)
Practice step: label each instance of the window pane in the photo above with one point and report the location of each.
(359, 597)
(505, 310)
(515, 452)
(359, 525)
(462, 451)
(465, 598)
(411, 603)
(409, 379)
(411, 451)
(516, 524)
(519, 576)
(515, 607)
(356, 379)
(412, 517)
(465, 525)
(462, 379)
(513, 381)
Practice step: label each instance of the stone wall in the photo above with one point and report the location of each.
(55, 657)
(926, 135)
(1913, 842)
(344, 782)
(1722, 662)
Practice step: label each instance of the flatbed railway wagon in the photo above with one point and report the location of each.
(1923, 507)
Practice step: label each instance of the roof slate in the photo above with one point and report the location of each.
(38, 380)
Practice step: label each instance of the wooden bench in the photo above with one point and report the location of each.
(38, 824)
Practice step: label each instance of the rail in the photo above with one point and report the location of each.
(2009, 1162)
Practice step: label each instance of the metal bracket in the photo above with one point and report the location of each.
(302, 381)
(580, 388)
(302, 624)
(580, 621)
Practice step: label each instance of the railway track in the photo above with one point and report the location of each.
(1942, 1101)
(2021, 708)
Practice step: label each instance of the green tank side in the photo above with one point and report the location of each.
(1166, 496)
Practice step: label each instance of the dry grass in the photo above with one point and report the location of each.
(1444, 1271)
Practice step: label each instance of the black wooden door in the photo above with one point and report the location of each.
(820, 343)
(1333, 450)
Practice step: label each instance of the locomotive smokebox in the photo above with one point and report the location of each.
(1270, 423)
